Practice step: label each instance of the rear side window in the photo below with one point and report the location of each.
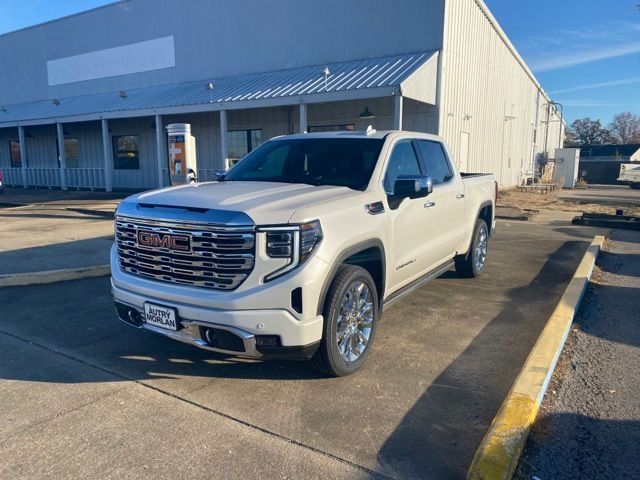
(435, 161)
(403, 161)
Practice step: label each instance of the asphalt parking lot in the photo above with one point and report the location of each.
(83, 395)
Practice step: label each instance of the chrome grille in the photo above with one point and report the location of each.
(219, 258)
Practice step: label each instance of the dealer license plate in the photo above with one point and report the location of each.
(161, 317)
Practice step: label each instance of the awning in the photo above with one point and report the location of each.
(416, 73)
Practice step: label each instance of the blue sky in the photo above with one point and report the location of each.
(586, 53)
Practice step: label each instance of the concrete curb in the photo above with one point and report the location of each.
(499, 452)
(51, 276)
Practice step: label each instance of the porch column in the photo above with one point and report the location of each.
(106, 155)
(23, 155)
(397, 112)
(303, 118)
(160, 156)
(62, 156)
(223, 138)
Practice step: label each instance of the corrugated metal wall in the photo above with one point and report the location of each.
(487, 94)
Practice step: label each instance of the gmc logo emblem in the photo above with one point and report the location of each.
(180, 243)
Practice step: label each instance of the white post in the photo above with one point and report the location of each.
(23, 155)
(223, 138)
(397, 112)
(303, 118)
(160, 156)
(62, 157)
(106, 155)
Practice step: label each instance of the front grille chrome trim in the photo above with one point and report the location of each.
(221, 258)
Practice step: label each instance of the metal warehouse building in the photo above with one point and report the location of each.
(84, 100)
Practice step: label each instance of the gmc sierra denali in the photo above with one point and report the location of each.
(295, 250)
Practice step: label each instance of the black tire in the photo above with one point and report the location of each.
(328, 358)
(467, 265)
(635, 186)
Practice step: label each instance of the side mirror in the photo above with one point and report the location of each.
(412, 186)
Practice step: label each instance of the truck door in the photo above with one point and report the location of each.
(410, 232)
(446, 203)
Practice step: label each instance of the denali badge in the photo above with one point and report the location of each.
(178, 242)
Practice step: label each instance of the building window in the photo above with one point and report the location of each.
(14, 152)
(126, 153)
(241, 142)
(72, 152)
(344, 127)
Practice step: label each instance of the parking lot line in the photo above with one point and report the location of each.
(498, 454)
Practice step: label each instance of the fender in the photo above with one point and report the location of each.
(352, 250)
(486, 203)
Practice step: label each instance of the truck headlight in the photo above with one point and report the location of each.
(293, 242)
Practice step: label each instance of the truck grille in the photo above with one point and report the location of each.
(208, 256)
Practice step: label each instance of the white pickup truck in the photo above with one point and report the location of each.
(630, 174)
(295, 251)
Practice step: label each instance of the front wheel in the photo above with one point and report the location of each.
(472, 264)
(350, 318)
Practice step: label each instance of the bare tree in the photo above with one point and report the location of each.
(626, 128)
(590, 132)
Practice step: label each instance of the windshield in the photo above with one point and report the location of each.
(344, 162)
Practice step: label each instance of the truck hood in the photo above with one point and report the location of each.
(264, 202)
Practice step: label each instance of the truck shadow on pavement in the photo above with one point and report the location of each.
(457, 408)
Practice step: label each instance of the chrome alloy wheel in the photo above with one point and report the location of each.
(481, 247)
(355, 320)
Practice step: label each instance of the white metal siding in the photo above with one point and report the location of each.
(482, 84)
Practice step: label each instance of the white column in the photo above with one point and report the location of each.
(62, 156)
(397, 112)
(160, 156)
(303, 118)
(23, 155)
(106, 155)
(223, 137)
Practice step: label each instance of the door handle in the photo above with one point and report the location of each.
(460, 195)
(429, 204)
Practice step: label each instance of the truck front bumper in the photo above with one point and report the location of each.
(247, 333)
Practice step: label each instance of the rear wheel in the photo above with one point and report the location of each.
(350, 318)
(635, 186)
(472, 264)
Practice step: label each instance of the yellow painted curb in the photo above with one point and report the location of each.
(51, 276)
(499, 452)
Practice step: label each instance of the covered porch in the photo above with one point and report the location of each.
(117, 140)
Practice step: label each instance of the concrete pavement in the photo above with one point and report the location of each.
(86, 395)
(51, 230)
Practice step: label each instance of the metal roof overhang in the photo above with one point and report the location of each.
(371, 78)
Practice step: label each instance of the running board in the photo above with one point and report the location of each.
(417, 283)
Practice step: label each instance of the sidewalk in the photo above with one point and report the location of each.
(53, 230)
(589, 422)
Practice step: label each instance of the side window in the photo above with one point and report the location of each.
(435, 161)
(403, 161)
